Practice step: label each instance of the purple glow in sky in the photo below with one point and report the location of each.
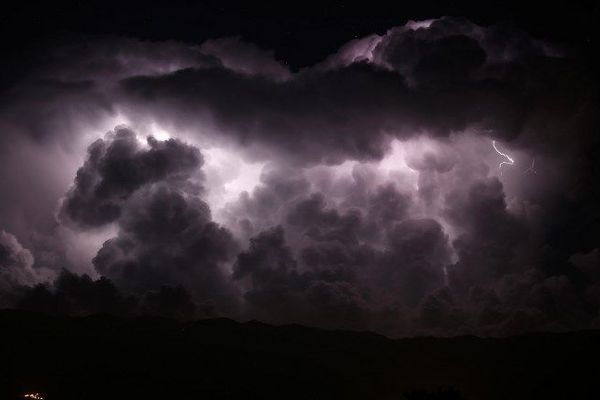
(360, 193)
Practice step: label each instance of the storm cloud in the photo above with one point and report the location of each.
(15, 267)
(116, 167)
(362, 192)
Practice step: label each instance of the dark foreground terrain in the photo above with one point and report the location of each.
(109, 358)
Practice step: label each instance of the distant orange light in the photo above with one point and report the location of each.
(34, 396)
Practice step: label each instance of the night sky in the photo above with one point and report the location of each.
(416, 169)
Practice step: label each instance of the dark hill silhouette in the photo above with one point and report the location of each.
(103, 357)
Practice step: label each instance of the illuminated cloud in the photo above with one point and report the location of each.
(15, 268)
(362, 192)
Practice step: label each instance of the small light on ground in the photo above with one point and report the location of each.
(34, 396)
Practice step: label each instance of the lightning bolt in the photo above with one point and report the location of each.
(509, 160)
(531, 168)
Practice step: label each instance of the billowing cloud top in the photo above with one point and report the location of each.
(436, 179)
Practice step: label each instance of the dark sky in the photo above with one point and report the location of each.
(300, 33)
(328, 164)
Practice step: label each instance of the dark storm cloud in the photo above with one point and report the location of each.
(337, 282)
(267, 204)
(277, 291)
(270, 269)
(312, 213)
(343, 229)
(15, 268)
(519, 302)
(364, 261)
(385, 205)
(317, 276)
(291, 115)
(72, 294)
(246, 58)
(493, 287)
(499, 285)
(417, 252)
(166, 237)
(330, 116)
(447, 78)
(487, 248)
(116, 167)
(167, 243)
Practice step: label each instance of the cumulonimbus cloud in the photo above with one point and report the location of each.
(380, 204)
